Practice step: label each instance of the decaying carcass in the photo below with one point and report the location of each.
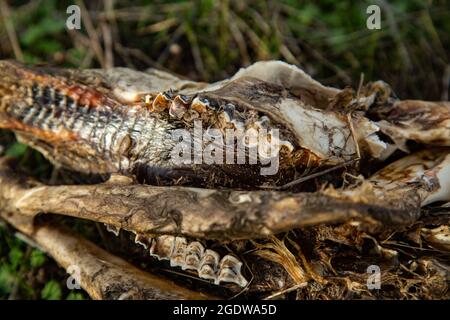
(301, 157)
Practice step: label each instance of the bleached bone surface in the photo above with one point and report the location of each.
(191, 256)
(420, 121)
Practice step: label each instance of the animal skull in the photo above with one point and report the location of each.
(117, 123)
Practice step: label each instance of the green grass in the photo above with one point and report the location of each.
(27, 273)
(209, 40)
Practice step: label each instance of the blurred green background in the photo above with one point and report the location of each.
(209, 40)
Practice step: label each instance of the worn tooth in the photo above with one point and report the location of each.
(230, 262)
(211, 258)
(228, 275)
(193, 256)
(184, 98)
(143, 240)
(263, 123)
(211, 104)
(209, 265)
(265, 148)
(230, 271)
(168, 94)
(161, 102)
(238, 124)
(227, 116)
(195, 252)
(282, 143)
(250, 139)
(207, 272)
(113, 229)
(228, 112)
(229, 107)
(178, 107)
(200, 104)
(287, 145)
(179, 253)
(162, 247)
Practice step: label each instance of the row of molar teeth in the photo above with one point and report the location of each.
(178, 107)
(181, 104)
(193, 256)
(160, 102)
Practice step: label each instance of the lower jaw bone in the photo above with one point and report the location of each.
(22, 202)
(101, 274)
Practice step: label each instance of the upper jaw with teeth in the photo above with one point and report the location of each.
(311, 134)
(127, 127)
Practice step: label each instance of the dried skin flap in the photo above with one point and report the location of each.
(420, 121)
(427, 171)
